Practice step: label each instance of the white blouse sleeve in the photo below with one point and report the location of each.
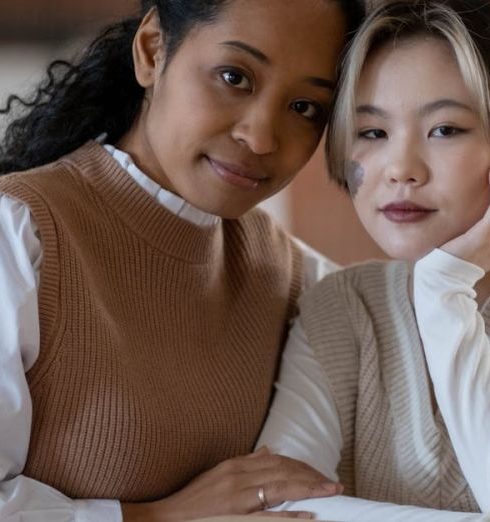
(303, 423)
(457, 350)
(22, 498)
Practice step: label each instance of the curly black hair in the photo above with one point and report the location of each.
(99, 92)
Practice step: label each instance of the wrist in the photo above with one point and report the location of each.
(136, 512)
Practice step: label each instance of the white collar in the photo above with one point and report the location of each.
(169, 200)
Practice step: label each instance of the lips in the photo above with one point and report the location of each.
(406, 212)
(237, 174)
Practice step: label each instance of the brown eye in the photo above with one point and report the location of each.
(308, 109)
(236, 79)
(373, 134)
(445, 131)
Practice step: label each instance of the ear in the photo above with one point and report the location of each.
(148, 50)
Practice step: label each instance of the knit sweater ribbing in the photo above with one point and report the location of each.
(362, 328)
(159, 339)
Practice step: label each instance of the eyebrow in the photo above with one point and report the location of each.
(321, 82)
(425, 110)
(371, 109)
(443, 104)
(261, 57)
(241, 46)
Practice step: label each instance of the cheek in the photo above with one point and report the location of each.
(182, 114)
(363, 185)
(465, 179)
(362, 201)
(354, 177)
(462, 170)
(295, 149)
(472, 199)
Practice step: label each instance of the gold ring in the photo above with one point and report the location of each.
(262, 499)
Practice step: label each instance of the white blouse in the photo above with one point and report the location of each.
(22, 498)
(303, 422)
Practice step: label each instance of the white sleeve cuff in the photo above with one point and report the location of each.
(450, 266)
(97, 511)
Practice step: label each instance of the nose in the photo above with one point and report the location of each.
(406, 165)
(257, 129)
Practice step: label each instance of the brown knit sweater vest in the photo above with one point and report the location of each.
(362, 327)
(159, 339)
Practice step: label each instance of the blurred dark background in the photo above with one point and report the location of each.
(57, 20)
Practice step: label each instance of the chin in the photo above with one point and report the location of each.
(405, 252)
(224, 211)
(236, 214)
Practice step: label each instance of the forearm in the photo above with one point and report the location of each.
(303, 422)
(458, 357)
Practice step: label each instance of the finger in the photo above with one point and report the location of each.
(285, 478)
(262, 466)
(244, 464)
(260, 452)
(279, 464)
(277, 468)
(280, 491)
(288, 463)
(304, 515)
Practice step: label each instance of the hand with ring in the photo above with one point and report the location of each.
(243, 485)
(262, 500)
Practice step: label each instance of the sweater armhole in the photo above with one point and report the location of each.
(49, 284)
(325, 316)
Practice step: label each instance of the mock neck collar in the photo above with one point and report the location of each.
(149, 219)
(169, 200)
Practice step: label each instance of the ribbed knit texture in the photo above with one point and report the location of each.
(159, 339)
(362, 327)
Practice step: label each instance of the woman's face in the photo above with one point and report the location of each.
(242, 104)
(420, 160)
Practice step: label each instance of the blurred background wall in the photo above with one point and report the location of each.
(34, 32)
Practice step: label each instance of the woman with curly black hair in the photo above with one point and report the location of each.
(144, 299)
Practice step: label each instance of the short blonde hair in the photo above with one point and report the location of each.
(463, 24)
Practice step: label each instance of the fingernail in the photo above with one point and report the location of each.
(258, 452)
(333, 488)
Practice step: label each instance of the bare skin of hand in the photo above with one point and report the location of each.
(231, 488)
(473, 245)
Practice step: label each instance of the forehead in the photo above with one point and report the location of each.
(412, 70)
(293, 33)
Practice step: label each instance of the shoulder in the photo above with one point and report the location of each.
(37, 175)
(356, 290)
(352, 305)
(261, 221)
(72, 161)
(262, 230)
(351, 279)
(53, 181)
